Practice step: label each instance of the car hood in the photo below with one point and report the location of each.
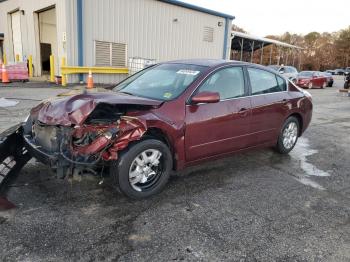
(74, 110)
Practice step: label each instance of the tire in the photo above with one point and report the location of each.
(346, 85)
(310, 85)
(282, 146)
(324, 85)
(128, 163)
(330, 84)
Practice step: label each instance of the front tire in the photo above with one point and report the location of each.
(143, 169)
(288, 136)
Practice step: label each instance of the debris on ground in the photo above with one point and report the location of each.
(5, 204)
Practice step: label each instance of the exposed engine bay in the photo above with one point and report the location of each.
(92, 145)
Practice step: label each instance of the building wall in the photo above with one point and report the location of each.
(29, 28)
(151, 29)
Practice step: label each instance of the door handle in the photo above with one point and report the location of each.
(243, 112)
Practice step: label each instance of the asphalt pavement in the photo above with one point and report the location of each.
(256, 206)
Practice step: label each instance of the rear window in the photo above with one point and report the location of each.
(306, 73)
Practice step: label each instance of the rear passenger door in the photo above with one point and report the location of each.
(269, 104)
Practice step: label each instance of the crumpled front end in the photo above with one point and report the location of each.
(77, 147)
(85, 131)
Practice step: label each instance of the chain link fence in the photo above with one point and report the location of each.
(138, 63)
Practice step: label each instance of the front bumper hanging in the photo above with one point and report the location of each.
(13, 155)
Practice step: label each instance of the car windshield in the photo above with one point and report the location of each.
(306, 73)
(161, 82)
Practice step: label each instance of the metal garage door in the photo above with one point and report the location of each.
(16, 34)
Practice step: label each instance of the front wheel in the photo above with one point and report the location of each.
(288, 135)
(144, 169)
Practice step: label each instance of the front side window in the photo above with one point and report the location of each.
(161, 82)
(263, 82)
(228, 82)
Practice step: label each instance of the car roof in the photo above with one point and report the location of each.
(215, 63)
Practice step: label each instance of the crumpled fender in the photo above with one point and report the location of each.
(109, 143)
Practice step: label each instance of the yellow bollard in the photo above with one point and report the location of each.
(4, 59)
(17, 57)
(63, 63)
(30, 62)
(52, 68)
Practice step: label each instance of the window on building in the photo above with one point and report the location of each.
(110, 54)
(208, 34)
(263, 82)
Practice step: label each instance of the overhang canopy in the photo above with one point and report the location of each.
(254, 42)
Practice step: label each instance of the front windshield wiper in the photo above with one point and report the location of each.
(127, 93)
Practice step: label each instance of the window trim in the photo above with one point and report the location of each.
(246, 90)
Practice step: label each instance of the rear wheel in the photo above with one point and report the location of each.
(310, 85)
(346, 85)
(288, 135)
(144, 169)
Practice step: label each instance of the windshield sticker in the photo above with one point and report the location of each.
(187, 72)
(167, 95)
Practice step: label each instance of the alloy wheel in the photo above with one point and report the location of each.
(290, 135)
(145, 170)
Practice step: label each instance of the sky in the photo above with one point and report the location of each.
(272, 17)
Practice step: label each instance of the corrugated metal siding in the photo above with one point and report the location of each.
(151, 29)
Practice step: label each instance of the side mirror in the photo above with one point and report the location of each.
(206, 97)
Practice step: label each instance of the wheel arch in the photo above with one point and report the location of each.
(159, 134)
(300, 120)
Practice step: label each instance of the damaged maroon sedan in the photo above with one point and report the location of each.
(167, 117)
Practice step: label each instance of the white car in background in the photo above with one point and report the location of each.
(289, 72)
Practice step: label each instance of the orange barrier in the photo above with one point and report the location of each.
(5, 76)
(90, 81)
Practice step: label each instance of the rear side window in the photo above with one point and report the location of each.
(281, 83)
(228, 82)
(263, 82)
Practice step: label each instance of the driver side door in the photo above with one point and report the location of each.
(222, 127)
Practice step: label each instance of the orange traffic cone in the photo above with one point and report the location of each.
(5, 76)
(90, 81)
